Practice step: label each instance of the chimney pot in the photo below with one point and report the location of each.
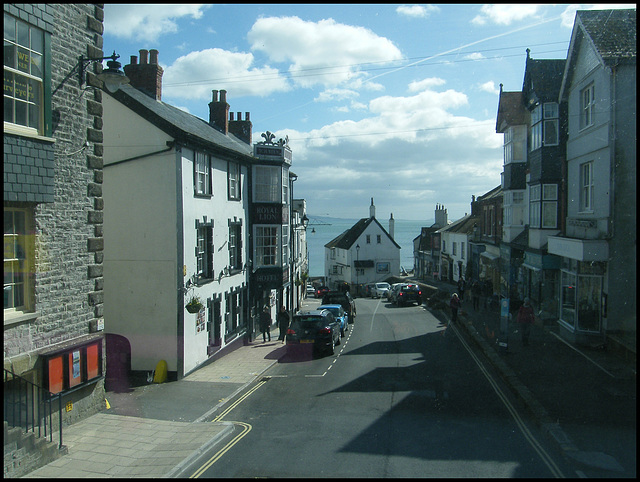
(239, 115)
(153, 56)
(231, 116)
(223, 96)
(143, 56)
(214, 96)
(134, 60)
(246, 116)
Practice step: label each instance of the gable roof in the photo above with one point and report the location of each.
(351, 235)
(611, 33)
(511, 111)
(542, 79)
(182, 126)
(464, 225)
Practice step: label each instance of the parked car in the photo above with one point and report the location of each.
(343, 298)
(311, 290)
(368, 289)
(406, 293)
(340, 315)
(321, 291)
(318, 329)
(391, 288)
(380, 290)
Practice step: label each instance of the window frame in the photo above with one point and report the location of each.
(587, 107)
(37, 84)
(202, 182)
(204, 251)
(234, 184)
(587, 188)
(260, 248)
(22, 243)
(235, 245)
(267, 184)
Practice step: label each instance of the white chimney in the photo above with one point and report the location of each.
(392, 226)
(372, 210)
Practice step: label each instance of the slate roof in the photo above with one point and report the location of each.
(351, 235)
(464, 225)
(546, 76)
(511, 111)
(613, 32)
(181, 125)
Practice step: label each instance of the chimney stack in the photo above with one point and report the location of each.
(146, 76)
(372, 210)
(242, 129)
(392, 226)
(219, 112)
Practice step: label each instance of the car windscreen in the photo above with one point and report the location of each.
(335, 311)
(308, 322)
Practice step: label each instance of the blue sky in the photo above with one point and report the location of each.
(395, 102)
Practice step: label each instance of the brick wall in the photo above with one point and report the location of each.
(68, 215)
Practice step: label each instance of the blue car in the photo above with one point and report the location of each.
(340, 315)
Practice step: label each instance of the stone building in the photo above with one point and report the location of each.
(53, 301)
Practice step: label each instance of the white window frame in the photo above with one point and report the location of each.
(267, 240)
(235, 245)
(267, 185)
(204, 251)
(534, 205)
(587, 106)
(536, 127)
(586, 187)
(28, 92)
(202, 174)
(551, 134)
(18, 259)
(234, 186)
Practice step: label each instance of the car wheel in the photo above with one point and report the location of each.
(332, 348)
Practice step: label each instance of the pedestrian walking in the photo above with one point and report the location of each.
(526, 317)
(475, 295)
(455, 304)
(461, 286)
(265, 324)
(283, 323)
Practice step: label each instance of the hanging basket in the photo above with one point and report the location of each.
(194, 305)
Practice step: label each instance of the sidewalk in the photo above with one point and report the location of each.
(160, 430)
(583, 398)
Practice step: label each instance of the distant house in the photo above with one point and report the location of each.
(426, 247)
(597, 284)
(365, 253)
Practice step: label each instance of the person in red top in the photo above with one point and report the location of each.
(526, 317)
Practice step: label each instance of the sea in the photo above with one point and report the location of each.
(323, 229)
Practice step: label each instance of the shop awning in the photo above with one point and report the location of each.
(489, 256)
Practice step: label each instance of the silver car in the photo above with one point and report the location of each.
(380, 290)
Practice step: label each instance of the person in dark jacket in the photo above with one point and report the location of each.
(455, 304)
(265, 324)
(283, 323)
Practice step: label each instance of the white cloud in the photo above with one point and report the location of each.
(474, 56)
(420, 85)
(503, 14)
(332, 95)
(324, 52)
(147, 22)
(418, 11)
(206, 70)
(490, 87)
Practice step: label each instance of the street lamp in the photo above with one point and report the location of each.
(357, 262)
(112, 76)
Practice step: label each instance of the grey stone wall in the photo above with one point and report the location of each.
(68, 223)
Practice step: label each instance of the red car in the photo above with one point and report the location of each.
(321, 291)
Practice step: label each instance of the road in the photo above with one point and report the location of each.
(397, 399)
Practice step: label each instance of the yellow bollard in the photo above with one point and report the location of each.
(160, 375)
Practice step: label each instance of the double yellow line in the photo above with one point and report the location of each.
(246, 428)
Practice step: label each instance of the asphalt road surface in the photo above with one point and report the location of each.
(399, 398)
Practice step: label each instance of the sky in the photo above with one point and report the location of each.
(386, 101)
